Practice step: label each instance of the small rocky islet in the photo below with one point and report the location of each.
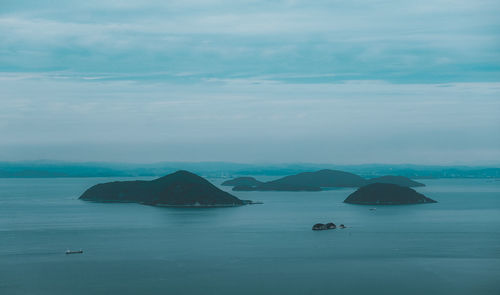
(330, 225)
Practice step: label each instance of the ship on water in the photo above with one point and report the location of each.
(74, 251)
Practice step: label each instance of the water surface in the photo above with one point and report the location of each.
(452, 247)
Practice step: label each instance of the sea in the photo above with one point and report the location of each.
(451, 247)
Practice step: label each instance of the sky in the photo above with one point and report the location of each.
(343, 82)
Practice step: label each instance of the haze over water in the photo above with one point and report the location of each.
(451, 247)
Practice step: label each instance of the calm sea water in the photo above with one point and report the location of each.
(452, 247)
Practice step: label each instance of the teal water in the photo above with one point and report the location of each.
(452, 247)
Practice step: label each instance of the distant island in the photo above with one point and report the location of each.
(242, 181)
(308, 181)
(182, 189)
(386, 194)
(316, 181)
(399, 180)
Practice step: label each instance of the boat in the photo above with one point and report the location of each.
(373, 209)
(74, 251)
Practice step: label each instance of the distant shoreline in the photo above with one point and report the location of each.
(54, 169)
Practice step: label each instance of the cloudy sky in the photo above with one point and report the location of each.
(342, 82)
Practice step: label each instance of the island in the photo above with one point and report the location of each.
(308, 181)
(386, 194)
(179, 189)
(242, 181)
(316, 181)
(399, 180)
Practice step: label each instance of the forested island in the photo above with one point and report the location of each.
(386, 194)
(181, 188)
(316, 181)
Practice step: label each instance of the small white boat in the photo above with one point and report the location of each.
(74, 251)
(373, 209)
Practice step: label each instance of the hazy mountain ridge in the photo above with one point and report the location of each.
(230, 170)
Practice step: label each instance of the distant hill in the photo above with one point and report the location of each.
(181, 188)
(242, 181)
(399, 180)
(386, 194)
